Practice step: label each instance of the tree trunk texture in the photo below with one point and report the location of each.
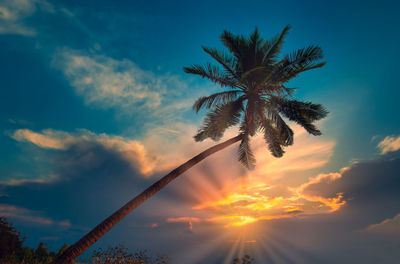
(90, 238)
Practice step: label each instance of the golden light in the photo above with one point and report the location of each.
(233, 204)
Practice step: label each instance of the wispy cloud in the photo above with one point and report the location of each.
(16, 182)
(48, 138)
(25, 215)
(14, 12)
(389, 144)
(109, 83)
(389, 226)
(188, 220)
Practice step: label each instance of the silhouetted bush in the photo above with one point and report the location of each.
(119, 254)
(244, 260)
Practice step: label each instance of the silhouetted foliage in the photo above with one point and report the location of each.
(12, 250)
(246, 259)
(120, 254)
(10, 240)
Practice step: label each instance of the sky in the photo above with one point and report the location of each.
(95, 107)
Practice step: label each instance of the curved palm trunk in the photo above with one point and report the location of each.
(90, 238)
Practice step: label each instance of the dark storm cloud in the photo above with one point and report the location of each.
(371, 189)
(91, 183)
(372, 193)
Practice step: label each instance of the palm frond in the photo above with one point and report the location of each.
(303, 113)
(214, 99)
(255, 39)
(233, 43)
(271, 137)
(246, 156)
(227, 61)
(297, 62)
(255, 45)
(285, 133)
(273, 47)
(218, 120)
(212, 73)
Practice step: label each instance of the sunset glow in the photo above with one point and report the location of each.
(111, 112)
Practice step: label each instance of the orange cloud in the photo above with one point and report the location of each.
(389, 144)
(189, 220)
(182, 219)
(223, 192)
(162, 149)
(252, 202)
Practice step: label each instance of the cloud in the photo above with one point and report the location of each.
(220, 190)
(188, 220)
(228, 194)
(14, 12)
(91, 182)
(109, 83)
(251, 202)
(49, 139)
(28, 216)
(131, 150)
(15, 182)
(162, 149)
(182, 219)
(311, 191)
(389, 226)
(305, 229)
(389, 144)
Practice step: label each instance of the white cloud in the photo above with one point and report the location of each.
(389, 144)
(109, 83)
(49, 138)
(13, 13)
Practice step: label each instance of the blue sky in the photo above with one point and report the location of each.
(95, 106)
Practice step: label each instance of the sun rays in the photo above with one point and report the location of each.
(234, 208)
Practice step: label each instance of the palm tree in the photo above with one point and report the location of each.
(256, 99)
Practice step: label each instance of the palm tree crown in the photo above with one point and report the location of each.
(258, 96)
